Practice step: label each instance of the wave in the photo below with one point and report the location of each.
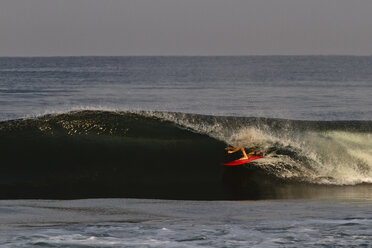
(323, 152)
(176, 155)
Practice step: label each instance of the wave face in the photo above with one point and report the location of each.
(176, 156)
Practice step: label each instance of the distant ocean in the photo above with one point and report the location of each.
(128, 151)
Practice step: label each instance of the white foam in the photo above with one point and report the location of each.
(333, 157)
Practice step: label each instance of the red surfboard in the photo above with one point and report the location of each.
(243, 161)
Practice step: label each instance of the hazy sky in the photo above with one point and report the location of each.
(185, 27)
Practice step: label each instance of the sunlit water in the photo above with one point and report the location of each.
(315, 87)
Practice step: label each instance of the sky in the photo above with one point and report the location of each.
(185, 27)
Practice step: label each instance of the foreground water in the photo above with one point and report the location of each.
(160, 223)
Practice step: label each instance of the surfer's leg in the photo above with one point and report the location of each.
(245, 156)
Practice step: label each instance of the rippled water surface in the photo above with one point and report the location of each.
(160, 223)
(290, 87)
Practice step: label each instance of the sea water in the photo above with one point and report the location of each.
(313, 88)
(163, 223)
(302, 87)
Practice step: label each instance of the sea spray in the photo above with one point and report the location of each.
(313, 151)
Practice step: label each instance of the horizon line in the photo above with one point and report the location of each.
(252, 55)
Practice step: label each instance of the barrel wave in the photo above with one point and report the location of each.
(90, 153)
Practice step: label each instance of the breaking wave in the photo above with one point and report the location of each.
(174, 155)
(323, 152)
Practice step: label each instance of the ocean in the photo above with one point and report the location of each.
(128, 151)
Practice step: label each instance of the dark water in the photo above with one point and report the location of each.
(156, 128)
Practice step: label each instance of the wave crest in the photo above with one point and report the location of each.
(128, 153)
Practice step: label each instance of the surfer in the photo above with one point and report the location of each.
(245, 155)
